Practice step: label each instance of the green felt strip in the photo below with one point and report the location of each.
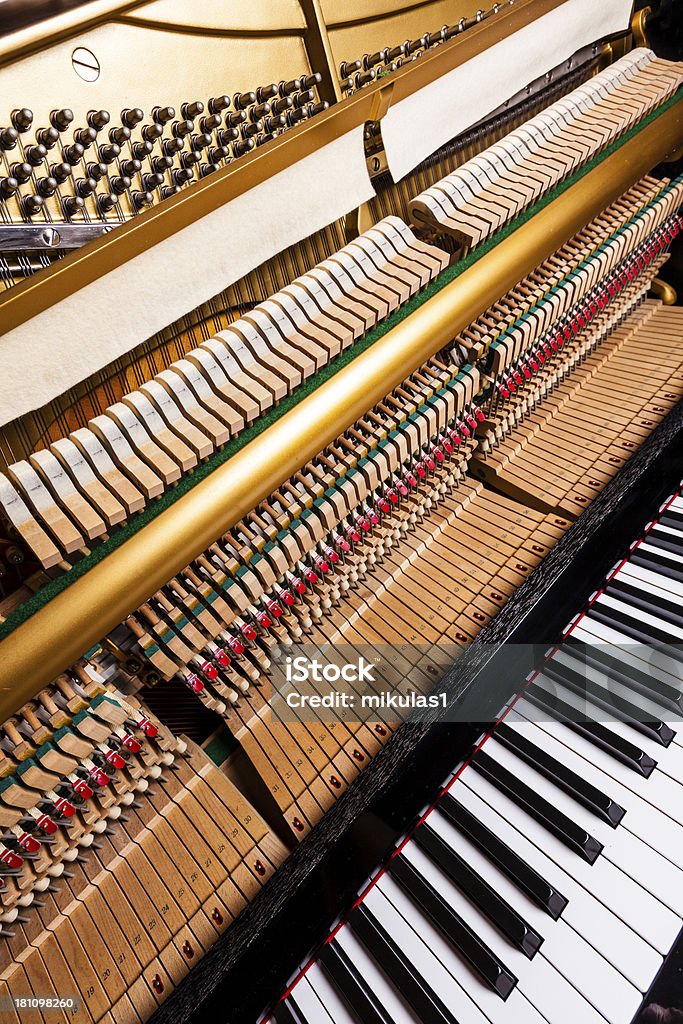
(128, 529)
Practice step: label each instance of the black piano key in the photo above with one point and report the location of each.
(655, 562)
(615, 668)
(478, 890)
(665, 541)
(623, 750)
(461, 937)
(636, 629)
(648, 602)
(352, 986)
(510, 863)
(571, 834)
(597, 802)
(601, 695)
(287, 1012)
(670, 517)
(402, 973)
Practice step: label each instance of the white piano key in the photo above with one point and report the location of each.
(567, 950)
(655, 867)
(394, 1003)
(638, 654)
(310, 1005)
(648, 916)
(335, 1006)
(543, 994)
(639, 615)
(649, 581)
(632, 955)
(450, 976)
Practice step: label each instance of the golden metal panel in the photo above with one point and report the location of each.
(259, 16)
(59, 633)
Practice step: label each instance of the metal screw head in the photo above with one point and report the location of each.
(51, 237)
(85, 64)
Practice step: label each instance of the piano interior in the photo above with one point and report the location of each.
(341, 512)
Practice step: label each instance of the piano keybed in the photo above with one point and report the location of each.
(411, 529)
(544, 882)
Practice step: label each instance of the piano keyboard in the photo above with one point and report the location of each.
(544, 885)
(487, 191)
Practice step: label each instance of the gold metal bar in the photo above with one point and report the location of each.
(83, 266)
(53, 638)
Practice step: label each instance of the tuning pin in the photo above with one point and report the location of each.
(48, 137)
(169, 190)
(181, 175)
(243, 146)
(105, 202)
(60, 172)
(398, 51)
(21, 171)
(370, 60)
(285, 88)
(235, 118)
(130, 167)
(109, 153)
(437, 37)
(85, 137)
(131, 116)
(141, 149)
(262, 139)
(365, 77)
(226, 136)
(316, 108)
(258, 112)
(61, 119)
(161, 164)
(349, 67)
(119, 135)
(217, 154)
(98, 119)
(85, 187)
(32, 205)
(209, 123)
(217, 104)
(189, 159)
(243, 99)
(119, 184)
(172, 146)
(295, 116)
(281, 104)
(191, 110)
(199, 142)
(73, 154)
(35, 155)
(310, 81)
(141, 199)
(206, 169)
(8, 187)
(151, 132)
(182, 128)
(266, 92)
(152, 181)
(274, 124)
(8, 138)
(249, 130)
(46, 187)
(96, 170)
(302, 98)
(162, 115)
(22, 119)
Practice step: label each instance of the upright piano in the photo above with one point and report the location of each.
(341, 512)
